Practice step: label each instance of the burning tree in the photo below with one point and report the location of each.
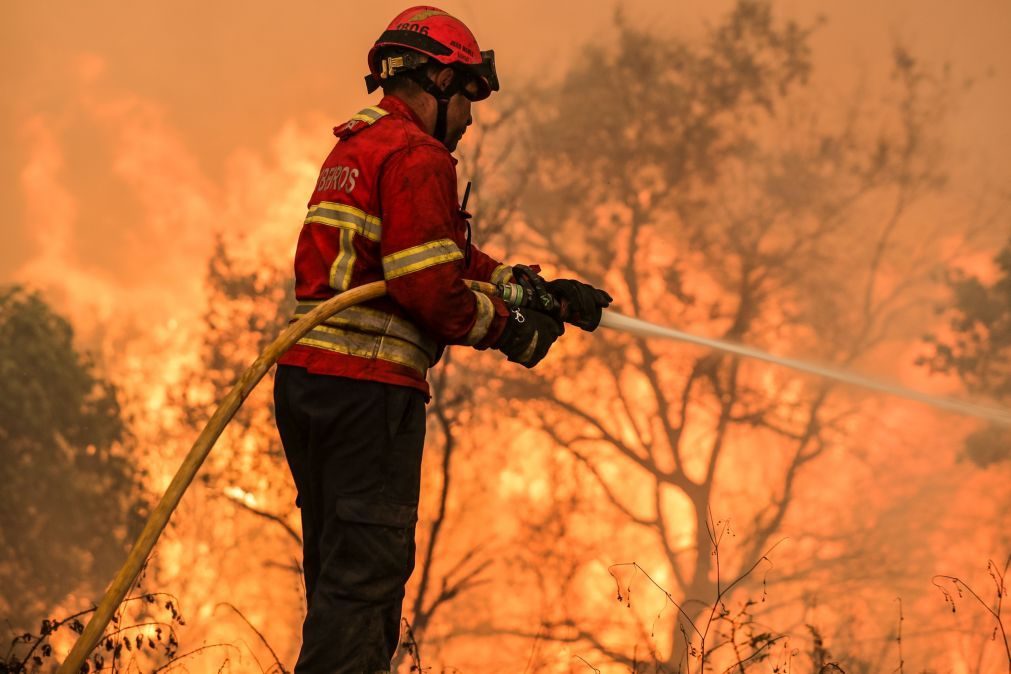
(978, 349)
(706, 186)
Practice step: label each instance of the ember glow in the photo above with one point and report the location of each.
(153, 177)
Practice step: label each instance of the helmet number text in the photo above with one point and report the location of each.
(414, 27)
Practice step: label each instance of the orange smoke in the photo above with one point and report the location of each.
(124, 195)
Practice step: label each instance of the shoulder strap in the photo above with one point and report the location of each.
(363, 119)
(370, 115)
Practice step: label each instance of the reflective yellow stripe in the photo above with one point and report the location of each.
(485, 312)
(350, 221)
(370, 115)
(420, 257)
(501, 274)
(340, 270)
(346, 217)
(375, 322)
(372, 347)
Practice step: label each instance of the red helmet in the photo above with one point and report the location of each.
(436, 35)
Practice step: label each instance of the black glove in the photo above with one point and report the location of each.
(528, 335)
(535, 289)
(581, 303)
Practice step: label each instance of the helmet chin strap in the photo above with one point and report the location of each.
(441, 97)
(440, 119)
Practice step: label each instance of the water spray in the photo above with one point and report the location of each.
(641, 328)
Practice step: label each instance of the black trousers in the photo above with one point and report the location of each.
(354, 449)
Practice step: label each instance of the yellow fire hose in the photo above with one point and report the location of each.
(159, 517)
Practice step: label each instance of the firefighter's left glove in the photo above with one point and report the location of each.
(528, 335)
(581, 304)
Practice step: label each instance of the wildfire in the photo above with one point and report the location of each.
(552, 519)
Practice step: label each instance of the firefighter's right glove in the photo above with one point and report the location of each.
(528, 335)
(581, 303)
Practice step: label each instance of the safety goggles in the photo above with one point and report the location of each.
(482, 78)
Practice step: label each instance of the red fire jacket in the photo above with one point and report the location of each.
(385, 207)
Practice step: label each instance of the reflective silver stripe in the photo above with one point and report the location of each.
(340, 271)
(485, 312)
(501, 274)
(372, 347)
(347, 217)
(420, 257)
(373, 321)
(371, 115)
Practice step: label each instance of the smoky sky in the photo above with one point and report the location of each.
(224, 77)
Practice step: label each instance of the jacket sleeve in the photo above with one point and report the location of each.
(484, 267)
(421, 250)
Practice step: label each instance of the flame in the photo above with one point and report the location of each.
(142, 304)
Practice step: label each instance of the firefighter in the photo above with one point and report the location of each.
(350, 396)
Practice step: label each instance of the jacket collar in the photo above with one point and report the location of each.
(397, 107)
(393, 106)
